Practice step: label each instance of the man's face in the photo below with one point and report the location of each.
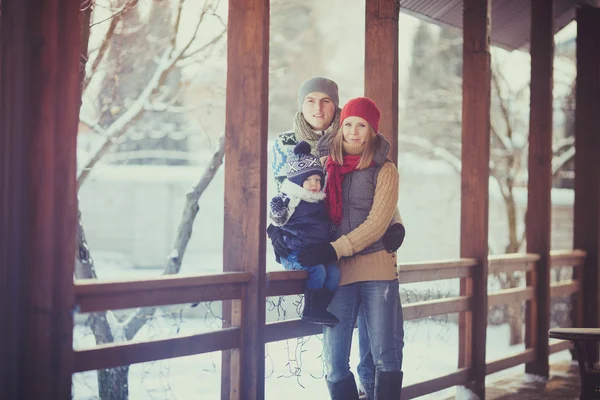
(318, 110)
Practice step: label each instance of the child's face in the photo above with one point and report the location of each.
(312, 183)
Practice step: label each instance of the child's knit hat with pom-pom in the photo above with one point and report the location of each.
(302, 165)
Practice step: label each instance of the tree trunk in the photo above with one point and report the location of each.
(515, 317)
(113, 383)
(515, 322)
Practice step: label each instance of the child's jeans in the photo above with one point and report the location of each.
(319, 276)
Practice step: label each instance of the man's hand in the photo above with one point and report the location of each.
(317, 254)
(279, 247)
(393, 237)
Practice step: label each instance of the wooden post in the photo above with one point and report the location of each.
(475, 186)
(587, 164)
(244, 243)
(381, 65)
(539, 184)
(39, 104)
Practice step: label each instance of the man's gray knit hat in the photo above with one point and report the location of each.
(318, 84)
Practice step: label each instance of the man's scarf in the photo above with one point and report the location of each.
(304, 131)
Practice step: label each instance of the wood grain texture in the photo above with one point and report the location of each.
(244, 245)
(474, 185)
(538, 217)
(39, 114)
(381, 65)
(114, 355)
(586, 225)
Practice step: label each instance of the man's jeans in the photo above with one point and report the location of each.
(319, 276)
(380, 300)
(366, 367)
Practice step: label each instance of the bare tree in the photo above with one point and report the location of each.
(125, 103)
(156, 94)
(508, 155)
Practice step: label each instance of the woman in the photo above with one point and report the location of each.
(362, 193)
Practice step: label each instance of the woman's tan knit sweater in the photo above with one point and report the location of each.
(381, 265)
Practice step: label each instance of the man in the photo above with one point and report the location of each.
(318, 114)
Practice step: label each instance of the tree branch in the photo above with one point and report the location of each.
(166, 63)
(118, 128)
(496, 76)
(176, 24)
(559, 162)
(502, 140)
(429, 148)
(197, 27)
(202, 48)
(93, 125)
(563, 143)
(173, 264)
(114, 21)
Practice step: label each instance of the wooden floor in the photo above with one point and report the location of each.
(563, 384)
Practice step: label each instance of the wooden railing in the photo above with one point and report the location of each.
(101, 296)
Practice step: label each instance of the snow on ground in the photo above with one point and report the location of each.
(293, 367)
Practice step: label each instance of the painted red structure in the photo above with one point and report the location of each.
(39, 103)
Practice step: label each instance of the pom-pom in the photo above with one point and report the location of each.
(302, 148)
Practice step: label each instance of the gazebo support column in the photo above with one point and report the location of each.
(39, 106)
(244, 246)
(587, 166)
(475, 187)
(539, 184)
(381, 65)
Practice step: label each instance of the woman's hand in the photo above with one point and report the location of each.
(317, 254)
(393, 237)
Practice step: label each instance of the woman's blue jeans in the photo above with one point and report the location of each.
(366, 367)
(379, 299)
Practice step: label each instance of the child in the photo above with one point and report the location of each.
(299, 210)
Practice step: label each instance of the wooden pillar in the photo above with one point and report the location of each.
(587, 164)
(244, 243)
(475, 186)
(39, 105)
(381, 65)
(538, 219)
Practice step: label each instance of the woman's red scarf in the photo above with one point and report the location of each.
(335, 178)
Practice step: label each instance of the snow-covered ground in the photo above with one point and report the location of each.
(293, 367)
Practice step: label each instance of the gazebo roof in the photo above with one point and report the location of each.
(511, 19)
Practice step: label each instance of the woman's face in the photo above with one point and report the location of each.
(355, 130)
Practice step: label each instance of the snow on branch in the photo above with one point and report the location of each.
(143, 103)
(559, 161)
(118, 128)
(563, 143)
(114, 21)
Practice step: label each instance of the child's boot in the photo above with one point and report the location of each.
(315, 308)
(321, 302)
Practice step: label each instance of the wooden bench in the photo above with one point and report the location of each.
(585, 342)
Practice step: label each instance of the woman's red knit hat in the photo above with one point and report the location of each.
(362, 107)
